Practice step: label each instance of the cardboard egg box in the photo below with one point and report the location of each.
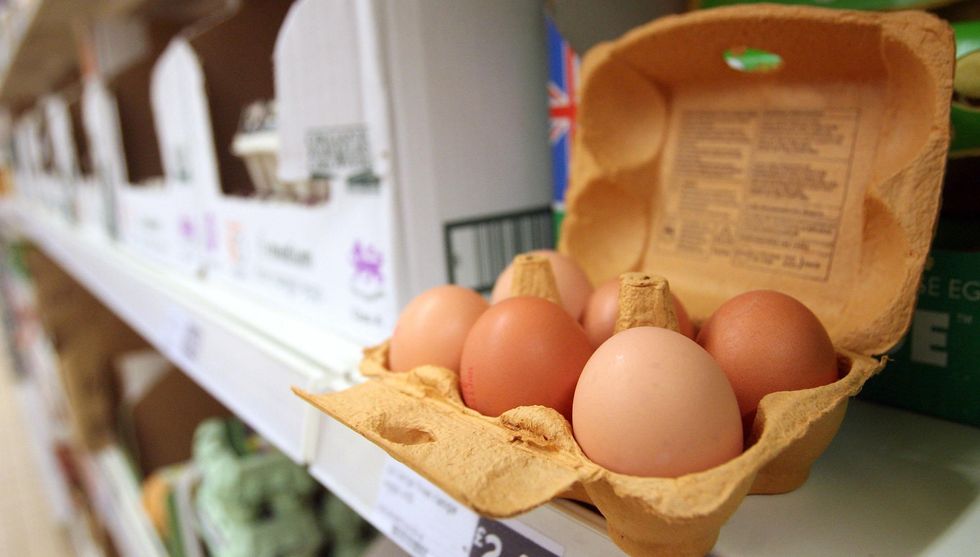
(201, 83)
(28, 148)
(101, 123)
(61, 171)
(90, 192)
(63, 176)
(417, 132)
(144, 210)
(818, 176)
(44, 164)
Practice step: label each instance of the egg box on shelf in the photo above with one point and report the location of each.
(838, 4)
(201, 82)
(64, 172)
(44, 162)
(101, 123)
(794, 149)
(408, 135)
(142, 208)
(90, 195)
(27, 147)
(147, 212)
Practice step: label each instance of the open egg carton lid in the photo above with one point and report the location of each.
(804, 156)
(797, 149)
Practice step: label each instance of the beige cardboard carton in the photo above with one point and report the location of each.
(818, 176)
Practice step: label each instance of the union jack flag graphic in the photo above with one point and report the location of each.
(562, 104)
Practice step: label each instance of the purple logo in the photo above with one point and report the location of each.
(186, 228)
(367, 262)
(210, 232)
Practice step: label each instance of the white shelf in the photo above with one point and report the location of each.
(245, 355)
(352, 468)
(892, 482)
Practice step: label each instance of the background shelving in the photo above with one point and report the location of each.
(892, 481)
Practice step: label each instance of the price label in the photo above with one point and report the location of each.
(184, 340)
(510, 539)
(424, 521)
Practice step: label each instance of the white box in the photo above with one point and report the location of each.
(37, 175)
(197, 112)
(127, 157)
(429, 118)
(89, 197)
(63, 170)
(187, 149)
(75, 193)
(104, 135)
(27, 157)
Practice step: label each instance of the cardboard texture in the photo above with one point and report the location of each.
(63, 306)
(160, 409)
(848, 137)
(83, 362)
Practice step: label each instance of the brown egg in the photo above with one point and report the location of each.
(651, 402)
(599, 318)
(766, 341)
(574, 287)
(523, 351)
(433, 326)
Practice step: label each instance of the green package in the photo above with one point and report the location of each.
(965, 110)
(934, 368)
(839, 4)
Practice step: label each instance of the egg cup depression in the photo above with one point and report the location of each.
(504, 466)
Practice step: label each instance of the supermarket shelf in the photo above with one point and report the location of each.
(117, 500)
(892, 482)
(247, 356)
(353, 468)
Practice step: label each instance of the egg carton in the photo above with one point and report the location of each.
(787, 148)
